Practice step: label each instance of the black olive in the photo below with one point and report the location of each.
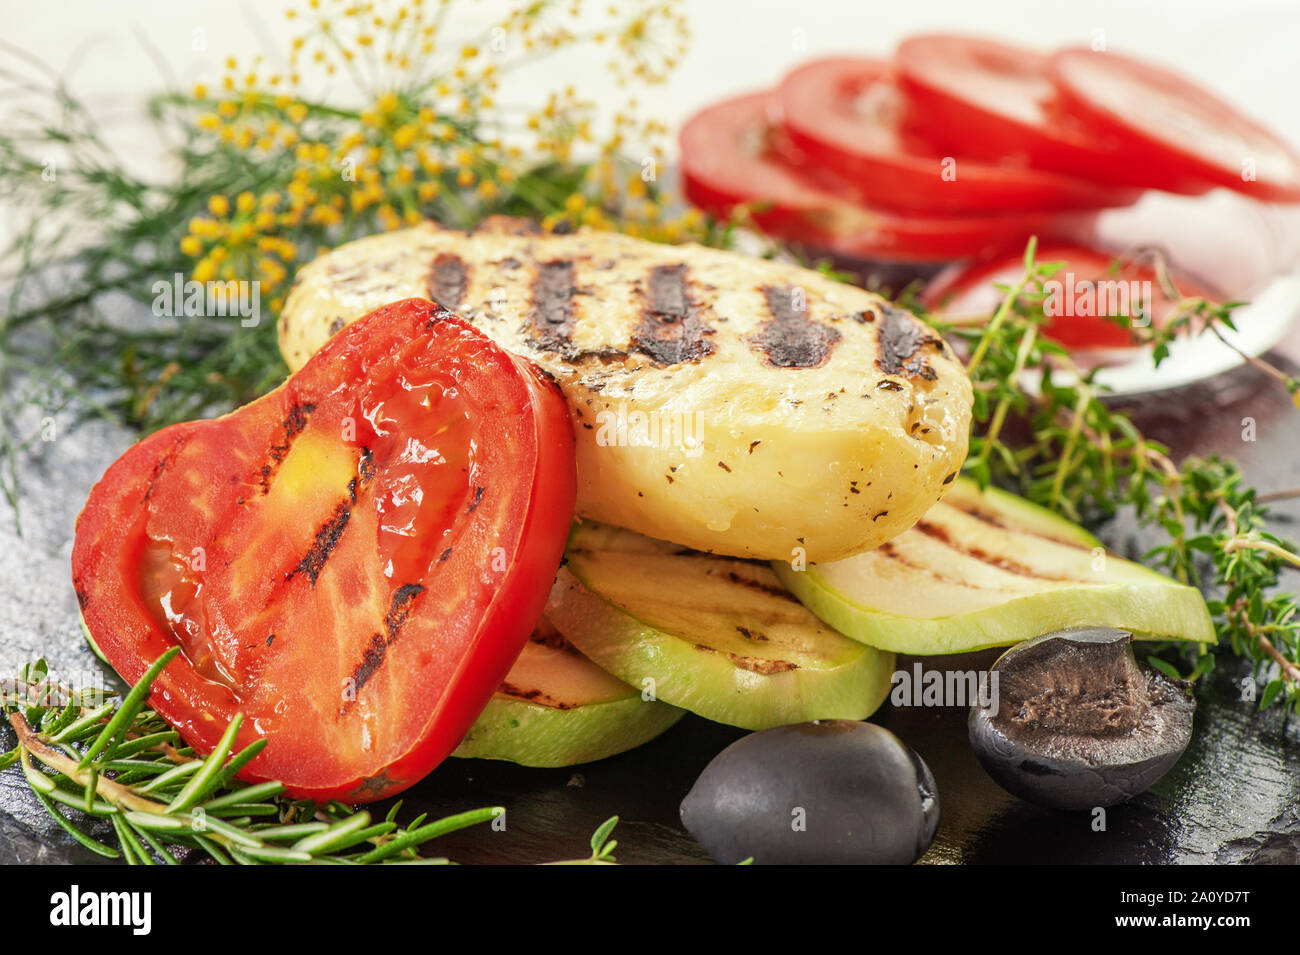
(826, 792)
(1077, 723)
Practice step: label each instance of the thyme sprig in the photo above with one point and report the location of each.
(1075, 454)
(86, 760)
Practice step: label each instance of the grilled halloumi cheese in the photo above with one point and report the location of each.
(731, 404)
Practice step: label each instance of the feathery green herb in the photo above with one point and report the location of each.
(265, 176)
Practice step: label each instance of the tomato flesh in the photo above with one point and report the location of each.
(846, 114)
(353, 561)
(732, 156)
(1171, 124)
(999, 101)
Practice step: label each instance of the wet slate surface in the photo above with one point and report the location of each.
(1232, 798)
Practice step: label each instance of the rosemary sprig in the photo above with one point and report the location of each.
(1085, 460)
(119, 763)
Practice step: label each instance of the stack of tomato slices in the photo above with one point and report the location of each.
(960, 146)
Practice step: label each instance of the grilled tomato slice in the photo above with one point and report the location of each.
(353, 561)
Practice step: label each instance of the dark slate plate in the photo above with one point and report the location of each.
(1232, 798)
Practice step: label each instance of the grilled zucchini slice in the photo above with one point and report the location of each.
(557, 708)
(988, 569)
(714, 635)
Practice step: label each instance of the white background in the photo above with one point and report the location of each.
(1247, 50)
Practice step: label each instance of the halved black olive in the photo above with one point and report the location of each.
(825, 792)
(1077, 723)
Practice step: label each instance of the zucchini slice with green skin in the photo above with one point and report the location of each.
(557, 708)
(988, 569)
(718, 636)
(90, 641)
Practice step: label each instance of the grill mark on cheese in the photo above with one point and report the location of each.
(791, 339)
(506, 225)
(670, 331)
(552, 317)
(448, 280)
(900, 337)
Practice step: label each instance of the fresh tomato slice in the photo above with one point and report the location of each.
(1175, 125)
(732, 156)
(995, 100)
(846, 114)
(353, 561)
(1093, 285)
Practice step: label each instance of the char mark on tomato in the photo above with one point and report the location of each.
(553, 292)
(327, 538)
(292, 425)
(296, 419)
(400, 608)
(376, 787)
(161, 465)
(371, 660)
(901, 339)
(439, 314)
(478, 497)
(671, 331)
(791, 339)
(376, 651)
(448, 280)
